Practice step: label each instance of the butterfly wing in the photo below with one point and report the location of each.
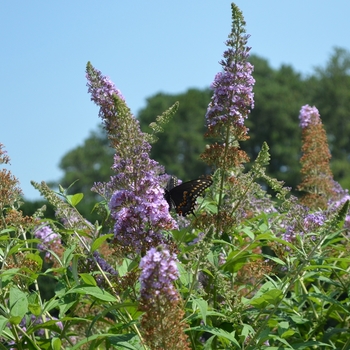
(172, 183)
(183, 197)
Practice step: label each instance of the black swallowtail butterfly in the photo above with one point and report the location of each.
(183, 197)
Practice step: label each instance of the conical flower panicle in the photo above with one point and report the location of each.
(317, 177)
(161, 325)
(233, 97)
(135, 196)
(232, 100)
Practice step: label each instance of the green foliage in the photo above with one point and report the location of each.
(161, 121)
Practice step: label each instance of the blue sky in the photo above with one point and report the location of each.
(145, 47)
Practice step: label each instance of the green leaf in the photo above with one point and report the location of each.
(248, 232)
(272, 297)
(18, 304)
(247, 332)
(56, 343)
(122, 339)
(68, 255)
(3, 323)
(35, 309)
(123, 269)
(98, 242)
(88, 279)
(315, 296)
(299, 319)
(288, 333)
(51, 304)
(275, 259)
(307, 345)
(218, 332)
(75, 199)
(185, 277)
(94, 291)
(115, 339)
(203, 308)
(284, 330)
(7, 275)
(66, 304)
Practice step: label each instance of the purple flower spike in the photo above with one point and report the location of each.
(159, 271)
(233, 96)
(135, 195)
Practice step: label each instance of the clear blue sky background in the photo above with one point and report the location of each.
(145, 47)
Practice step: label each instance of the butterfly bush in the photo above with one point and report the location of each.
(317, 177)
(252, 269)
(135, 195)
(323, 196)
(162, 321)
(240, 197)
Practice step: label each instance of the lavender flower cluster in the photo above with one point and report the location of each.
(49, 239)
(140, 211)
(308, 223)
(340, 197)
(309, 115)
(233, 96)
(159, 271)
